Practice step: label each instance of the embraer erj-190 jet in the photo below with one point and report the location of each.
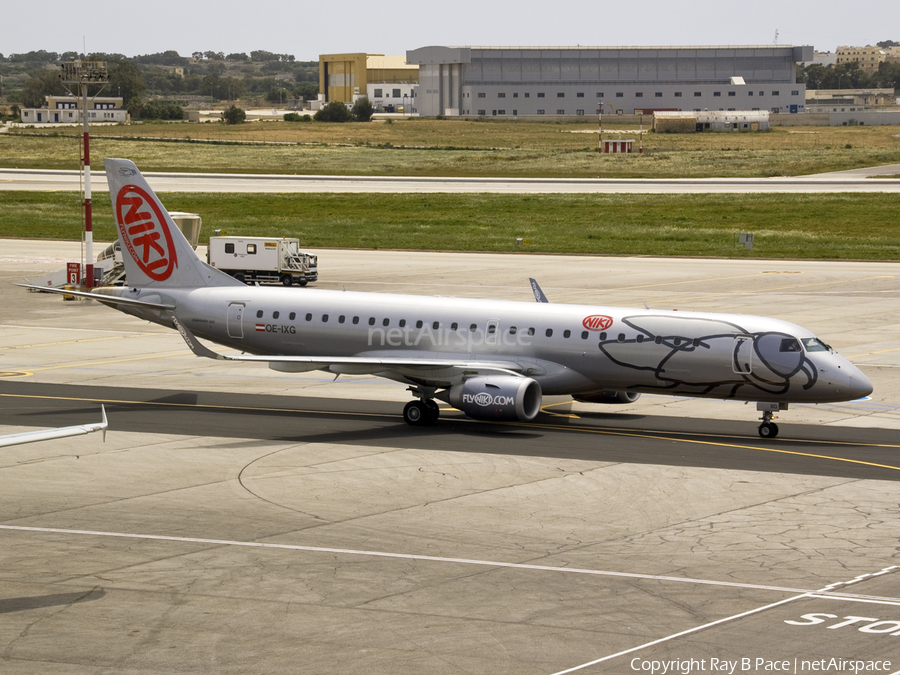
(491, 359)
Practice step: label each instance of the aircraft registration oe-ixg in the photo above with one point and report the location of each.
(491, 359)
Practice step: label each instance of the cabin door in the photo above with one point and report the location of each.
(742, 354)
(234, 321)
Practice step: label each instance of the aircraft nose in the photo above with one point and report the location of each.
(860, 387)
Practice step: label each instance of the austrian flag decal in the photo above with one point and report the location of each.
(597, 322)
(145, 232)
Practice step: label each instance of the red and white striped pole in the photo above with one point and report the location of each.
(88, 212)
(641, 148)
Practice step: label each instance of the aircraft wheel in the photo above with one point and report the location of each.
(287, 280)
(415, 414)
(768, 430)
(434, 411)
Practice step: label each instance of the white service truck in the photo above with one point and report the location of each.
(268, 260)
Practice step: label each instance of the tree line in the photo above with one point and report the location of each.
(142, 81)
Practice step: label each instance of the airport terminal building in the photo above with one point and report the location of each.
(555, 81)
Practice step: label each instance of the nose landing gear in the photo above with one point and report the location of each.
(768, 428)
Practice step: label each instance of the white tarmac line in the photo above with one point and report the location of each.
(682, 633)
(821, 593)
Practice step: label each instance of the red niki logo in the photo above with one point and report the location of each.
(597, 322)
(145, 233)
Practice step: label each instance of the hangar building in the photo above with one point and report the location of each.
(384, 79)
(516, 81)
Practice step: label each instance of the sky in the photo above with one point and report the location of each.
(307, 29)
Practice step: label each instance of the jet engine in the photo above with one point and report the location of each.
(614, 397)
(497, 398)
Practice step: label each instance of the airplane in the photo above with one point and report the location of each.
(491, 359)
(59, 432)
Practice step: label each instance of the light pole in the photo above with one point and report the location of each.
(404, 103)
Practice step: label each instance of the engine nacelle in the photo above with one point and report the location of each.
(497, 398)
(614, 397)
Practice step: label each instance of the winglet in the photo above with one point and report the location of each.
(538, 293)
(194, 344)
(103, 420)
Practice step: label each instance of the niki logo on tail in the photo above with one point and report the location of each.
(145, 233)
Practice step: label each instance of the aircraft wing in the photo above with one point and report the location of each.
(60, 432)
(434, 372)
(108, 299)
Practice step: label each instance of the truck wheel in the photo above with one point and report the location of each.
(287, 280)
(240, 277)
(302, 283)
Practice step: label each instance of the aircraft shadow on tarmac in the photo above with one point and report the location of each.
(43, 601)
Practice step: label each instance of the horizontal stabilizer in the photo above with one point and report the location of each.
(61, 432)
(101, 297)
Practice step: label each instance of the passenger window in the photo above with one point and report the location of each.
(549, 332)
(324, 318)
(259, 314)
(309, 317)
(696, 342)
(402, 323)
(341, 318)
(640, 338)
(355, 320)
(512, 330)
(371, 320)
(419, 323)
(436, 325)
(292, 316)
(454, 326)
(531, 331)
(566, 333)
(658, 339)
(621, 337)
(473, 327)
(275, 315)
(790, 345)
(603, 335)
(676, 341)
(492, 328)
(386, 322)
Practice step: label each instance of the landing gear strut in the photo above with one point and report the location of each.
(768, 428)
(421, 413)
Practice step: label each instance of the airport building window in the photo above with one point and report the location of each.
(527, 95)
(378, 93)
(395, 93)
(501, 95)
(501, 112)
(560, 111)
(540, 94)
(560, 94)
(775, 93)
(540, 112)
(515, 112)
(579, 112)
(732, 93)
(515, 94)
(795, 92)
(749, 93)
(639, 94)
(620, 94)
(697, 94)
(481, 94)
(677, 94)
(599, 94)
(658, 94)
(580, 94)
(481, 112)
(717, 93)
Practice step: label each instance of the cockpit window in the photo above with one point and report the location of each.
(790, 345)
(815, 345)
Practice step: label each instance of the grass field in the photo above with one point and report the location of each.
(430, 147)
(837, 226)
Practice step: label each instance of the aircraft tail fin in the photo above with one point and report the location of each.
(154, 250)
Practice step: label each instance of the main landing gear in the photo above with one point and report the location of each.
(768, 428)
(421, 412)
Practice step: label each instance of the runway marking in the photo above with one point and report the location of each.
(69, 342)
(459, 561)
(809, 594)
